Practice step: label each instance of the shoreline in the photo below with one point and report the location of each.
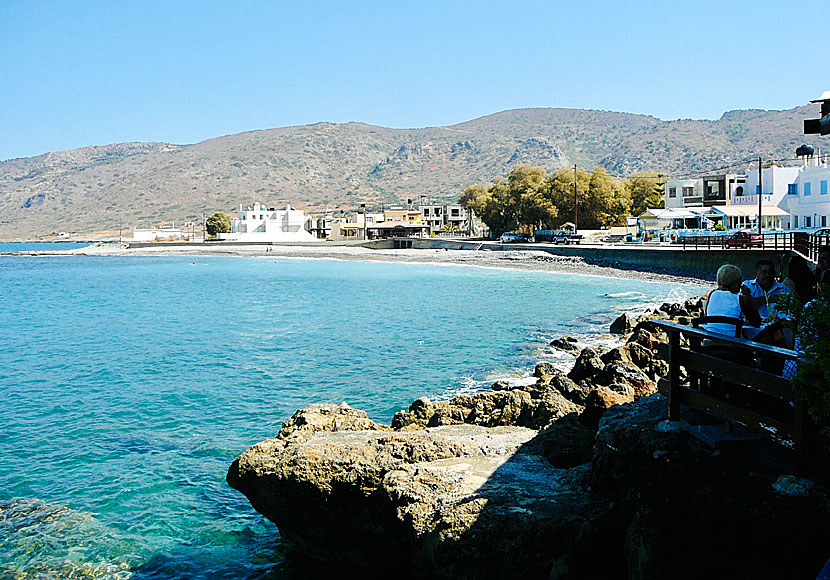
(516, 260)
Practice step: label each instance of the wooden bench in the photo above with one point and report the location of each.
(741, 376)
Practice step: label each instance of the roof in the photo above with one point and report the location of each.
(746, 210)
(397, 225)
(825, 96)
(669, 214)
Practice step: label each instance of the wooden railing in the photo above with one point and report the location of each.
(804, 243)
(728, 385)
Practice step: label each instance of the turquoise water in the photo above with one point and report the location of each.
(128, 385)
(39, 246)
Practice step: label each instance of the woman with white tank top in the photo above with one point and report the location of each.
(728, 300)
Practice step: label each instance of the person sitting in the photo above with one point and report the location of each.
(800, 279)
(729, 300)
(765, 290)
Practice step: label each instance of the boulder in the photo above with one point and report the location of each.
(524, 406)
(624, 323)
(566, 343)
(599, 400)
(628, 374)
(587, 364)
(566, 443)
(457, 501)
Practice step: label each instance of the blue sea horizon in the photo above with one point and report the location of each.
(131, 383)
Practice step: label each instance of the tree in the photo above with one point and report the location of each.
(218, 223)
(475, 197)
(602, 200)
(645, 190)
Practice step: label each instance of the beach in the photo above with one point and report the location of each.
(525, 259)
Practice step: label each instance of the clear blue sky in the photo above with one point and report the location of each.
(92, 73)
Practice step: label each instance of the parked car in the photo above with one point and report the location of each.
(513, 237)
(822, 232)
(564, 237)
(744, 240)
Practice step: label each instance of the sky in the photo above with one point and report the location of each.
(81, 73)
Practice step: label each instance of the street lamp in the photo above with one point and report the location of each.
(365, 221)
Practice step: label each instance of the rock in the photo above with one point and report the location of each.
(328, 417)
(624, 323)
(628, 375)
(600, 400)
(500, 386)
(587, 364)
(688, 504)
(643, 337)
(566, 343)
(566, 443)
(451, 502)
(565, 387)
(645, 501)
(628, 354)
(518, 405)
(544, 370)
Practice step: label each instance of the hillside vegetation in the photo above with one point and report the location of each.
(338, 166)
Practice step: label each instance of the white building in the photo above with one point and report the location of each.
(808, 200)
(743, 199)
(450, 217)
(160, 234)
(707, 191)
(684, 193)
(257, 223)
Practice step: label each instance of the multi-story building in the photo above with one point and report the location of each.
(446, 217)
(684, 193)
(258, 223)
(808, 200)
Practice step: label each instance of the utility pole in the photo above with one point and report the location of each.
(576, 213)
(760, 194)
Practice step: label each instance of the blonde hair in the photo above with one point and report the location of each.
(728, 275)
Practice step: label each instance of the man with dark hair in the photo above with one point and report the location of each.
(764, 290)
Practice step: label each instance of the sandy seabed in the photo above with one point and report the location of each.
(531, 260)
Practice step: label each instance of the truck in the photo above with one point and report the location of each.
(566, 237)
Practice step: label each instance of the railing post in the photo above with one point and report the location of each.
(674, 375)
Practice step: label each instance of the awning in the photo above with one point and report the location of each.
(747, 211)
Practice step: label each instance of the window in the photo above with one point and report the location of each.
(688, 191)
(824, 221)
(807, 191)
(426, 211)
(807, 221)
(672, 192)
(792, 189)
(757, 190)
(823, 187)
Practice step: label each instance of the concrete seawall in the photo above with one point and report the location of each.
(702, 263)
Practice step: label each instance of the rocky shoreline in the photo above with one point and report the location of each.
(577, 475)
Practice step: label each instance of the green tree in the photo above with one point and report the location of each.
(218, 223)
(475, 197)
(602, 200)
(645, 190)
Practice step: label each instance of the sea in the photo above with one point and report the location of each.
(129, 384)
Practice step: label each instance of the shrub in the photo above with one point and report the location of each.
(811, 327)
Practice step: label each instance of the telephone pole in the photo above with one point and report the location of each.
(760, 194)
(576, 213)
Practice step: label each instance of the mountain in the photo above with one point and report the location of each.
(338, 166)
